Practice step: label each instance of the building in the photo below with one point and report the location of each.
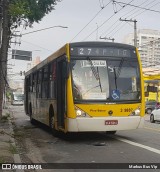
(34, 62)
(148, 43)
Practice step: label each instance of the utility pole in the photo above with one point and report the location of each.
(4, 50)
(0, 22)
(112, 39)
(135, 29)
(15, 36)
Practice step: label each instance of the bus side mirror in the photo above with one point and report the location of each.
(65, 69)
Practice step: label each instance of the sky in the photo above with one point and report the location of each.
(87, 20)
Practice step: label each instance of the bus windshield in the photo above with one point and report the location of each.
(109, 80)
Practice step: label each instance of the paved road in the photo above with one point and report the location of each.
(36, 144)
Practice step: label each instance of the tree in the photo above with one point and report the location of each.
(16, 13)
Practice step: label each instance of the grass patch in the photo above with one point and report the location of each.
(5, 117)
(13, 149)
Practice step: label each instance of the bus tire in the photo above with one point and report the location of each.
(111, 132)
(30, 114)
(52, 123)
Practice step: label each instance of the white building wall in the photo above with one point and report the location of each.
(148, 42)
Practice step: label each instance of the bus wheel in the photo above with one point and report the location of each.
(30, 114)
(111, 132)
(52, 126)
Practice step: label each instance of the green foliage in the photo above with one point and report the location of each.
(5, 117)
(17, 9)
(29, 11)
(8, 94)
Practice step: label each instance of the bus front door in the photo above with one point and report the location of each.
(26, 95)
(61, 94)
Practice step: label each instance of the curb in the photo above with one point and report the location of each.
(16, 157)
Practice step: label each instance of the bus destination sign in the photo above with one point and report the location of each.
(107, 51)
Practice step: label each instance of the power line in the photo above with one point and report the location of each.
(145, 10)
(99, 27)
(128, 16)
(137, 10)
(36, 45)
(90, 21)
(106, 21)
(105, 32)
(137, 7)
(117, 25)
(113, 25)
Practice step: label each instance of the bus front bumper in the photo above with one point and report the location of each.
(104, 124)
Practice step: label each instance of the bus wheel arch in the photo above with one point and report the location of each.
(52, 121)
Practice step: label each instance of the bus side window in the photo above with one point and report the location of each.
(30, 84)
(34, 82)
(45, 82)
(52, 80)
(39, 82)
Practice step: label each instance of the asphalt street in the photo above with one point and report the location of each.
(36, 144)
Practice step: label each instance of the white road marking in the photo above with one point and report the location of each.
(137, 144)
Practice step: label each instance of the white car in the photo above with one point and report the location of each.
(155, 115)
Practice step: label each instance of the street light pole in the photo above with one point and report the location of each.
(64, 27)
(135, 33)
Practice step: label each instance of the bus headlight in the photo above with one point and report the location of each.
(80, 113)
(136, 112)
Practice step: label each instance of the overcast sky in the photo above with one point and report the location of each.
(92, 19)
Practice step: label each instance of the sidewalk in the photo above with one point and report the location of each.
(7, 147)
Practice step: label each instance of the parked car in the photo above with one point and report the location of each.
(155, 115)
(150, 106)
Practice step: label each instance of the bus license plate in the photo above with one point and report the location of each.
(111, 122)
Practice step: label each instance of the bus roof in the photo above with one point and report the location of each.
(63, 50)
(53, 56)
(101, 44)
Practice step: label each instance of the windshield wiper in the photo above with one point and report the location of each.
(116, 74)
(120, 67)
(95, 73)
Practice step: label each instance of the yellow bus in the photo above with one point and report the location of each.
(87, 87)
